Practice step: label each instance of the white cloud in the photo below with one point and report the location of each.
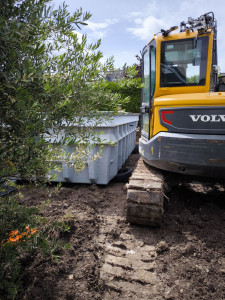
(111, 21)
(150, 20)
(96, 31)
(96, 26)
(134, 14)
(99, 30)
(138, 21)
(147, 27)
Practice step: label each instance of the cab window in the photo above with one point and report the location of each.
(184, 62)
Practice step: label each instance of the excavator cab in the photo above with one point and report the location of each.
(182, 115)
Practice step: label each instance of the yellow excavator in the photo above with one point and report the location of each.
(182, 114)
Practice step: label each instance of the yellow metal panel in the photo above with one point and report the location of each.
(184, 100)
(192, 99)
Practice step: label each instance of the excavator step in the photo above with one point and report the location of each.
(145, 195)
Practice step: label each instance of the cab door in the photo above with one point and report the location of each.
(148, 78)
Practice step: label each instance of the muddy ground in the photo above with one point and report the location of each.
(110, 259)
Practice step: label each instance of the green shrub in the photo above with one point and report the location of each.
(22, 233)
(130, 92)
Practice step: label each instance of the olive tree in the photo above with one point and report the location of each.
(49, 79)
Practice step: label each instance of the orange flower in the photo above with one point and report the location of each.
(12, 233)
(14, 240)
(15, 237)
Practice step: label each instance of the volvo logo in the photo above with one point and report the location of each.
(207, 118)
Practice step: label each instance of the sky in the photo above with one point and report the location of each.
(126, 26)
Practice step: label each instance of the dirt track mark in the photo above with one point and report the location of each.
(129, 268)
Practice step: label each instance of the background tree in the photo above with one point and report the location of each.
(127, 84)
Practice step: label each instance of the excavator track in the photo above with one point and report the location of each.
(145, 196)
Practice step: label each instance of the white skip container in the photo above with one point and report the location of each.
(119, 139)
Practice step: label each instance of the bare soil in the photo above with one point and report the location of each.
(111, 259)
